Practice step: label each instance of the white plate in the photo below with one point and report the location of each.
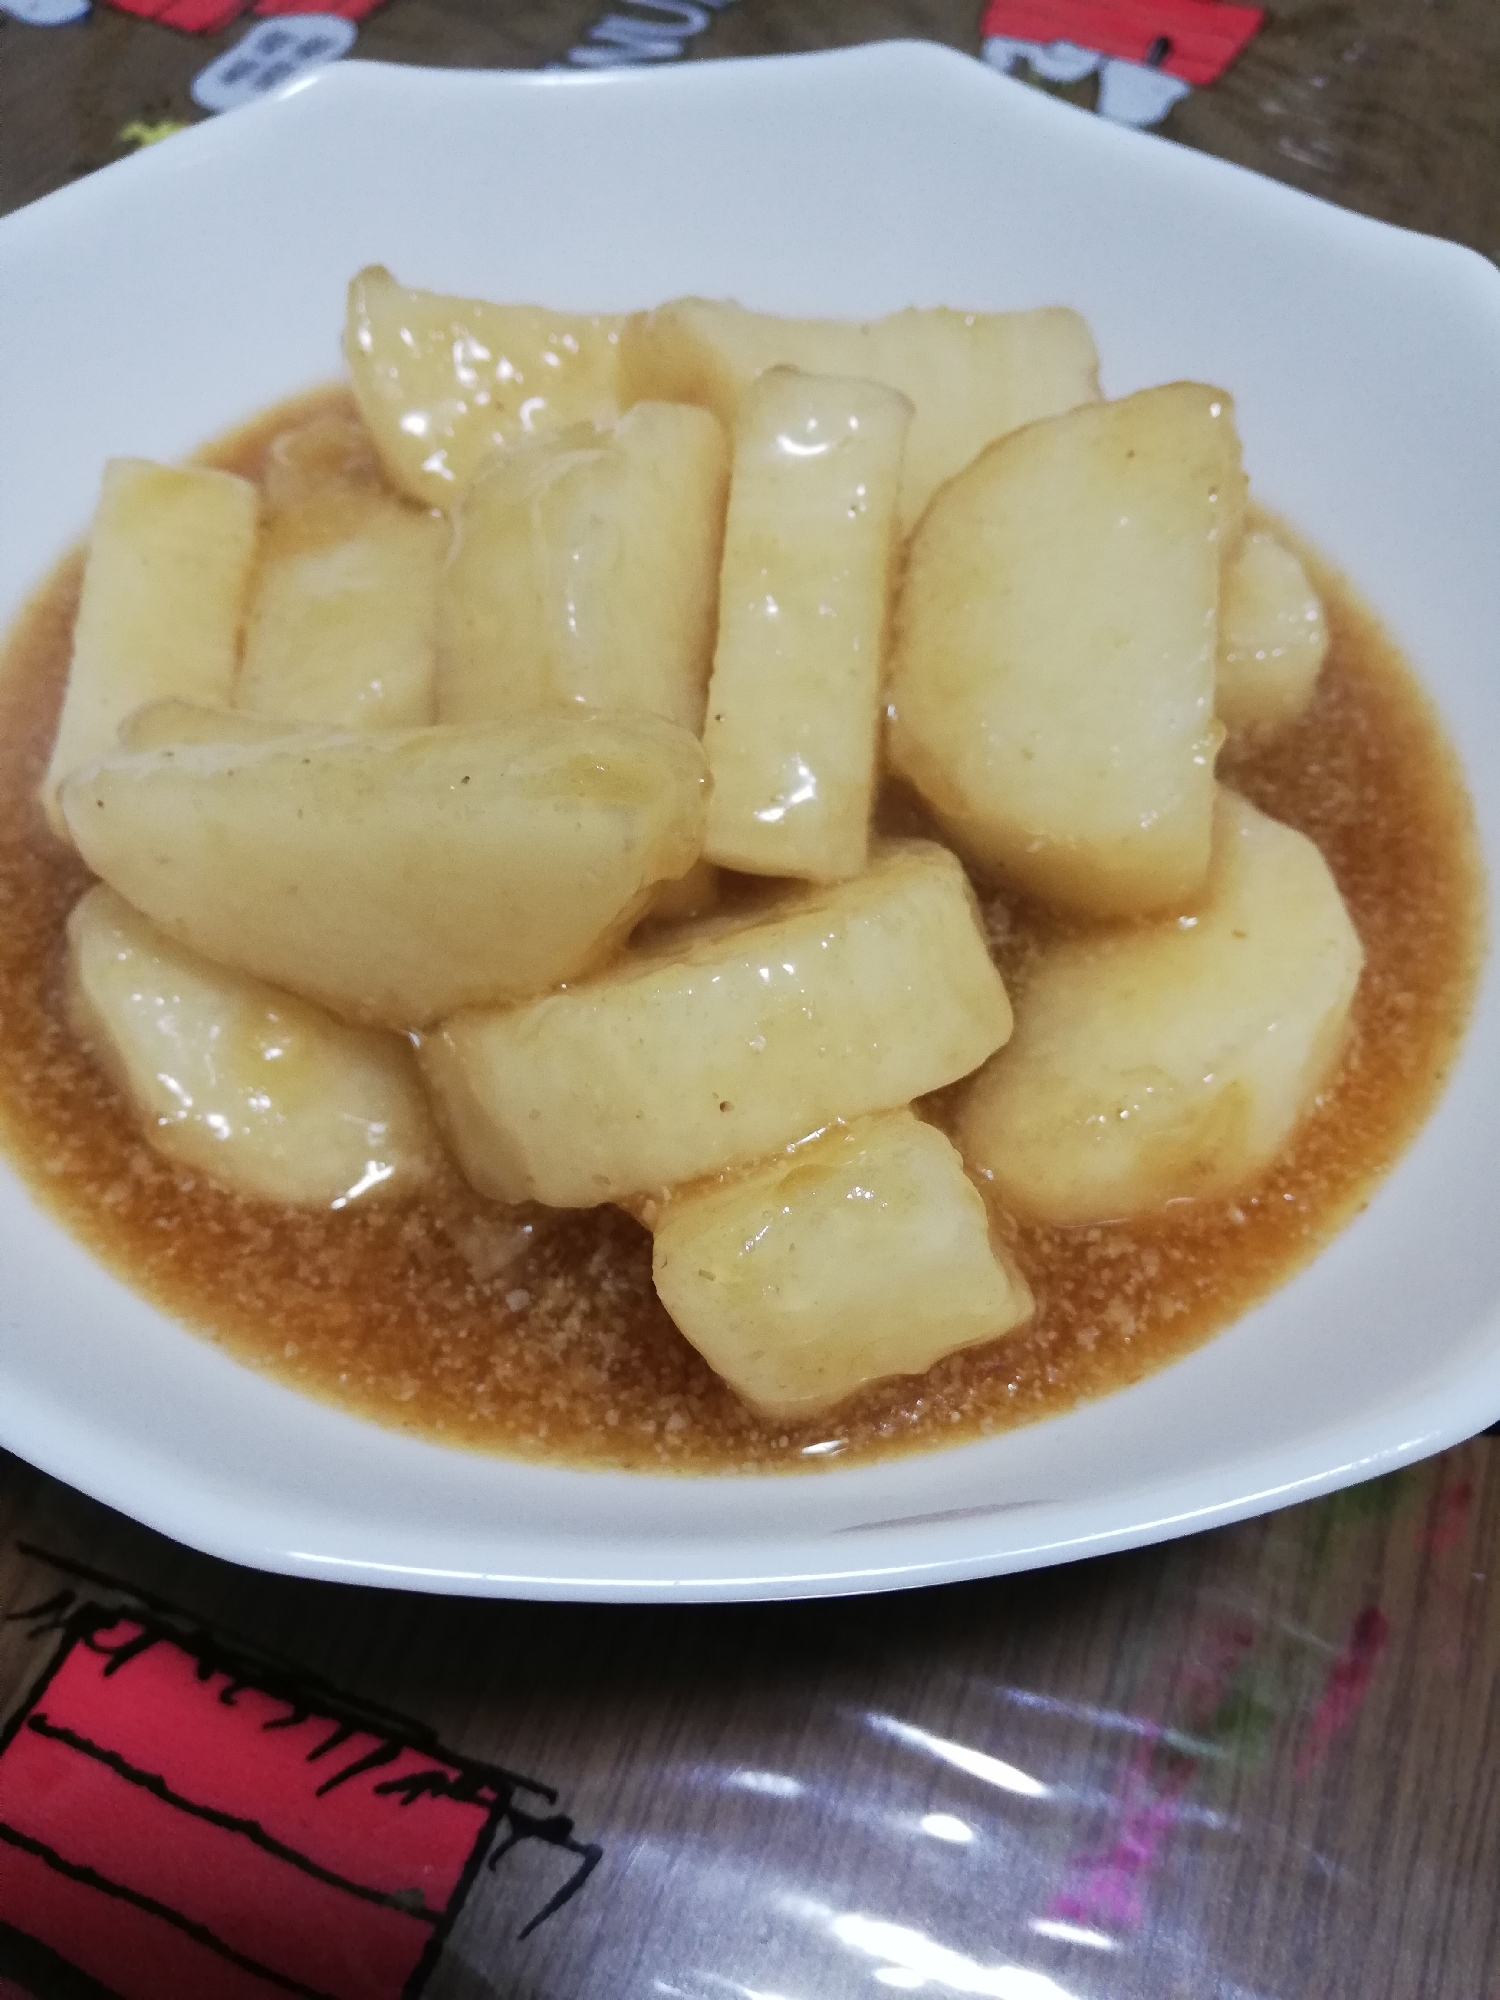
(155, 303)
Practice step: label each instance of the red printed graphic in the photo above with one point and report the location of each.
(174, 1822)
(1147, 54)
(208, 17)
(1196, 40)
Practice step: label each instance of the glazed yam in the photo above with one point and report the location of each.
(163, 725)
(794, 703)
(693, 895)
(441, 381)
(716, 1046)
(1172, 1061)
(326, 455)
(1273, 636)
(270, 1096)
(163, 603)
(585, 569)
(342, 626)
(1053, 679)
(862, 1254)
(970, 377)
(344, 606)
(394, 876)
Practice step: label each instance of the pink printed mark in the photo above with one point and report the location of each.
(1448, 1581)
(170, 1830)
(1109, 1888)
(1345, 1689)
(1211, 1673)
(1450, 1518)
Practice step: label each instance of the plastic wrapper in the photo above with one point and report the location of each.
(1247, 1764)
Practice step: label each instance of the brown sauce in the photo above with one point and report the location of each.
(427, 1317)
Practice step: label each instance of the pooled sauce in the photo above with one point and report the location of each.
(539, 1335)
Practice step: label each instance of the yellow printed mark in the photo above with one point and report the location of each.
(145, 132)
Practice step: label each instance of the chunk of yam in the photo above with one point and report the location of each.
(163, 603)
(585, 570)
(794, 703)
(441, 381)
(970, 377)
(394, 876)
(325, 455)
(862, 1254)
(269, 1096)
(693, 895)
(1273, 636)
(1052, 684)
(715, 1046)
(343, 615)
(1172, 1061)
(163, 725)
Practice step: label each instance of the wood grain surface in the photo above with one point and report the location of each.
(1258, 1764)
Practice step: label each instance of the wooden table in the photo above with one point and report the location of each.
(1248, 1766)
